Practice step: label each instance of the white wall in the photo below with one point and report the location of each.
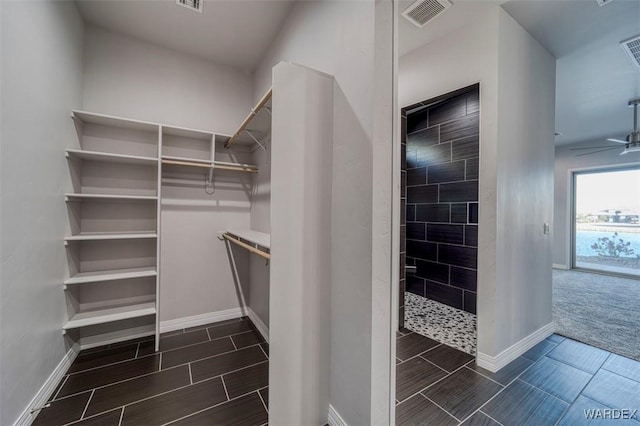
(299, 306)
(566, 161)
(526, 123)
(127, 77)
(338, 38)
(41, 83)
(517, 82)
(197, 274)
(458, 60)
(260, 221)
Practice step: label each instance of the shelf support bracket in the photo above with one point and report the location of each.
(255, 140)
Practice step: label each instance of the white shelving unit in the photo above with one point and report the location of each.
(111, 236)
(107, 157)
(111, 275)
(118, 170)
(70, 197)
(255, 125)
(104, 316)
(114, 230)
(252, 132)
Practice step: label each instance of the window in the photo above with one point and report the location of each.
(606, 221)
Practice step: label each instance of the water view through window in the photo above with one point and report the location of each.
(607, 221)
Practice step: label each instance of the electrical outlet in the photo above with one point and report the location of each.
(547, 228)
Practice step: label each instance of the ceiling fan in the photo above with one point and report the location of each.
(632, 144)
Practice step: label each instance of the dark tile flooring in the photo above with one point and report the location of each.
(212, 374)
(552, 384)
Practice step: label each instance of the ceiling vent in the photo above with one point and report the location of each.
(632, 47)
(423, 11)
(603, 2)
(195, 5)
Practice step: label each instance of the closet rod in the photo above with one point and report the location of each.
(250, 117)
(237, 168)
(187, 163)
(209, 166)
(247, 246)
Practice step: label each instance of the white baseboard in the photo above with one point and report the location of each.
(196, 320)
(262, 328)
(45, 392)
(495, 363)
(559, 266)
(334, 418)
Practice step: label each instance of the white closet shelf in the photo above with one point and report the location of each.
(74, 196)
(111, 236)
(187, 132)
(255, 242)
(111, 275)
(103, 316)
(256, 237)
(111, 158)
(259, 126)
(112, 121)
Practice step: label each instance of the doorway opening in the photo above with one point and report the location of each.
(594, 301)
(439, 233)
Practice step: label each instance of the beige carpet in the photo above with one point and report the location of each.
(599, 310)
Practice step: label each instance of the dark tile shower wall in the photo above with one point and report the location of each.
(441, 175)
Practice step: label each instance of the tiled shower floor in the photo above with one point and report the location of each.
(440, 322)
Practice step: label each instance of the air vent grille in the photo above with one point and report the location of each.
(632, 47)
(423, 11)
(195, 5)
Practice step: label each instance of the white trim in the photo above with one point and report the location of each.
(202, 319)
(559, 266)
(260, 325)
(568, 223)
(43, 394)
(495, 363)
(334, 418)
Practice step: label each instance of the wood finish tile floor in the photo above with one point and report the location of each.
(216, 374)
(552, 384)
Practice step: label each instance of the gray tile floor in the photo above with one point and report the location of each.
(558, 382)
(215, 374)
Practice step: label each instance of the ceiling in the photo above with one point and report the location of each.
(595, 78)
(234, 33)
(460, 14)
